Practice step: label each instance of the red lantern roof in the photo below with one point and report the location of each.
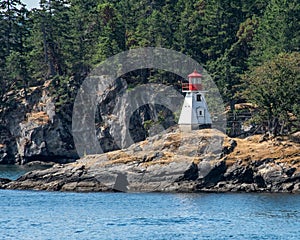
(195, 74)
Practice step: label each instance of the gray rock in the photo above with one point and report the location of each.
(162, 164)
(4, 181)
(272, 174)
(295, 137)
(215, 175)
(36, 132)
(296, 188)
(8, 149)
(239, 173)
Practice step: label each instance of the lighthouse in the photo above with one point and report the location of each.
(194, 114)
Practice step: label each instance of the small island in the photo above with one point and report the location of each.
(246, 52)
(202, 161)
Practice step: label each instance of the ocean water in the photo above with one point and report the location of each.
(14, 171)
(57, 215)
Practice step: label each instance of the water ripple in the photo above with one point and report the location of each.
(55, 215)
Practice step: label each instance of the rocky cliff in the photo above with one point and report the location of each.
(36, 130)
(31, 129)
(203, 160)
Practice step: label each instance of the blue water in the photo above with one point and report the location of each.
(56, 215)
(14, 171)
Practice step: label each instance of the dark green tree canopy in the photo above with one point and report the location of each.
(248, 47)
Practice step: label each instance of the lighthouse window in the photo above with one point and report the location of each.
(199, 98)
(200, 113)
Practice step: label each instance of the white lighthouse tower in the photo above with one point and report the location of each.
(194, 114)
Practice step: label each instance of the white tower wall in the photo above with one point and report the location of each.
(194, 112)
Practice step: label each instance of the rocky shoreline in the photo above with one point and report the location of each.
(200, 161)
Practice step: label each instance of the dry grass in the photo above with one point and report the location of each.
(251, 150)
(143, 143)
(38, 117)
(163, 151)
(171, 145)
(41, 104)
(120, 156)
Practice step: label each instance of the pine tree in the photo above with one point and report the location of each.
(53, 23)
(221, 19)
(111, 38)
(83, 35)
(278, 31)
(189, 36)
(230, 30)
(228, 69)
(14, 73)
(9, 11)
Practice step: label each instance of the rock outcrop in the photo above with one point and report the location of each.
(7, 146)
(34, 129)
(199, 161)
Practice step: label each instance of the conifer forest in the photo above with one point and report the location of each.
(250, 48)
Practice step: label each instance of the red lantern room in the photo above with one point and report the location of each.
(194, 83)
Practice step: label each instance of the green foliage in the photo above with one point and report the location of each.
(189, 37)
(230, 66)
(278, 31)
(63, 92)
(111, 39)
(64, 39)
(148, 124)
(274, 87)
(14, 33)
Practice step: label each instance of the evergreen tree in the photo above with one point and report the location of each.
(9, 10)
(13, 64)
(228, 69)
(64, 39)
(84, 30)
(278, 31)
(111, 39)
(189, 36)
(53, 24)
(231, 38)
(221, 19)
